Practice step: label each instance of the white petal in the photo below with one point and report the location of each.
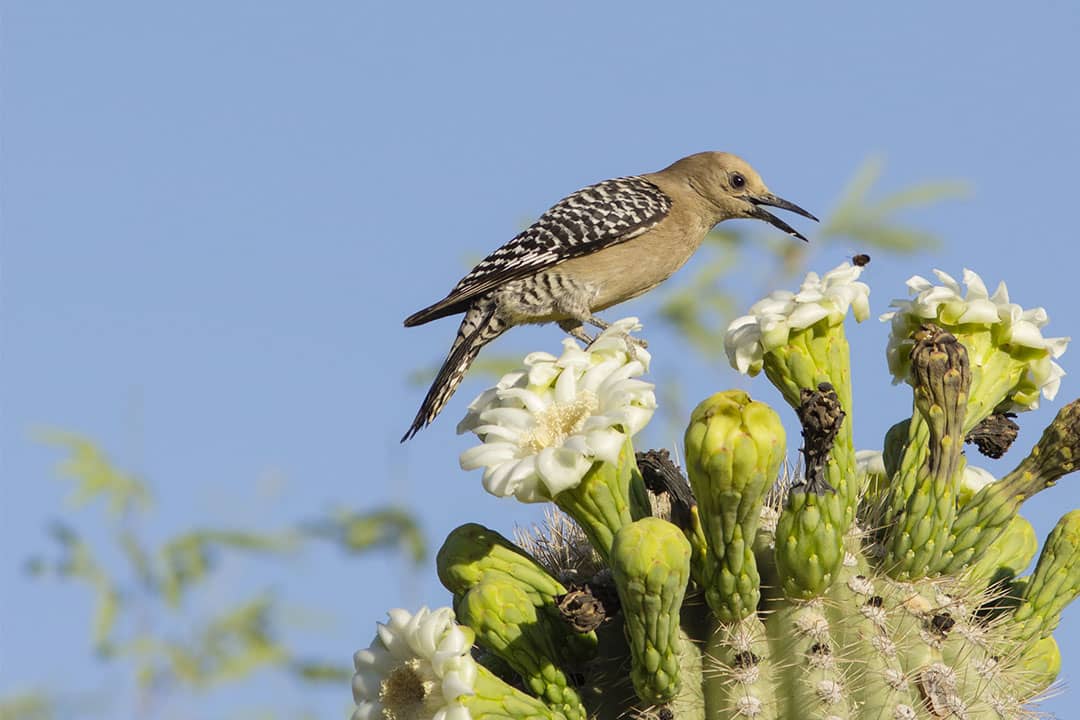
(486, 455)
(507, 417)
(560, 468)
(498, 479)
(806, 315)
(1053, 381)
(976, 290)
(606, 444)
(979, 311)
(529, 400)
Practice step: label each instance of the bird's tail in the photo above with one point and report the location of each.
(480, 326)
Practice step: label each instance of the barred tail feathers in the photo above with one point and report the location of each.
(480, 326)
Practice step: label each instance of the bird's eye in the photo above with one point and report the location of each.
(737, 180)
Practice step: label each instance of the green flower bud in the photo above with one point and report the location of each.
(473, 554)
(734, 448)
(506, 622)
(650, 561)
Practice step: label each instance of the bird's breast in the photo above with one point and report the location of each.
(624, 271)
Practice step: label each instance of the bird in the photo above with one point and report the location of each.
(595, 248)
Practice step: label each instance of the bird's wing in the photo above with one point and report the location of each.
(593, 218)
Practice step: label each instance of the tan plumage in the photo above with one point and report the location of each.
(602, 245)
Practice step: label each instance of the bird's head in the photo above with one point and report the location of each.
(728, 183)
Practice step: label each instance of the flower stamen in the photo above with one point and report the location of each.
(559, 421)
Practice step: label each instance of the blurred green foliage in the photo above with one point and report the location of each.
(144, 596)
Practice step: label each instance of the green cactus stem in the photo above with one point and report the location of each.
(601, 502)
(650, 562)
(921, 523)
(810, 532)
(734, 447)
(739, 680)
(1055, 583)
(982, 520)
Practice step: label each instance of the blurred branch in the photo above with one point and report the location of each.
(361, 532)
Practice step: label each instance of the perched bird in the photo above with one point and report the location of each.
(602, 245)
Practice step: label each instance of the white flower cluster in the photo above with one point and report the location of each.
(771, 321)
(542, 427)
(418, 667)
(1011, 328)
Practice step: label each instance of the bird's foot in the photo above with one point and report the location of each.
(577, 330)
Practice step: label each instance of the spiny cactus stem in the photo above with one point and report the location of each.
(738, 673)
(810, 683)
(941, 377)
(855, 610)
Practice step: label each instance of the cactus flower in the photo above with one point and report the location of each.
(1012, 363)
(542, 427)
(418, 666)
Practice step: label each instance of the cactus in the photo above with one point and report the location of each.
(863, 586)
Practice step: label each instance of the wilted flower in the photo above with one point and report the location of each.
(418, 667)
(771, 321)
(986, 324)
(542, 427)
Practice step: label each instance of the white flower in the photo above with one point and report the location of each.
(972, 481)
(771, 320)
(418, 667)
(1011, 328)
(542, 427)
(870, 462)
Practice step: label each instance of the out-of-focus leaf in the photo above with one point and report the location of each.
(188, 559)
(77, 562)
(95, 477)
(871, 222)
(27, 706)
(322, 672)
(487, 365)
(357, 532)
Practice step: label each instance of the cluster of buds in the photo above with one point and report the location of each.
(868, 584)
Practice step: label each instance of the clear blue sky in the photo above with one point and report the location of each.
(215, 216)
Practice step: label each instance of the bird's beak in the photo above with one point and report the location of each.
(756, 201)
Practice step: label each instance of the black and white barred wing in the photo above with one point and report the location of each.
(593, 218)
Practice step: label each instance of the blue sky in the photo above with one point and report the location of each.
(215, 216)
